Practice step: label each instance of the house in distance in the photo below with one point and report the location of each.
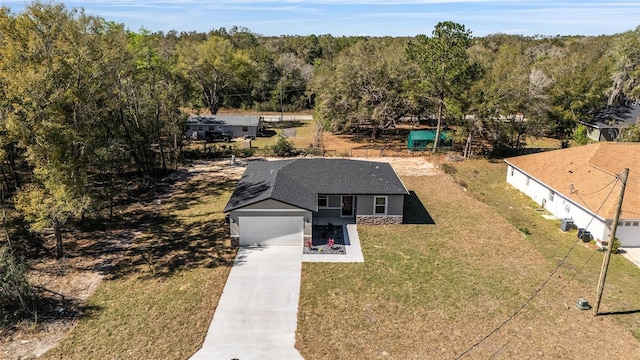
(247, 126)
(608, 124)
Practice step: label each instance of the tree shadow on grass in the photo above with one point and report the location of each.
(45, 307)
(414, 211)
(158, 237)
(152, 237)
(168, 243)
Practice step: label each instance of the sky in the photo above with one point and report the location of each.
(367, 17)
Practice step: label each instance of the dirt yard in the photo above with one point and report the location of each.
(89, 258)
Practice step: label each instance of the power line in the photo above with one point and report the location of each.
(581, 267)
(604, 187)
(544, 283)
(601, 205)
(597, 191)
(590, 221)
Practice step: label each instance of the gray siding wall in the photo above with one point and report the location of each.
(329, 212)
(395, 204)
(335, 201)
(364, 205)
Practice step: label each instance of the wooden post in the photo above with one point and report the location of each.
(612, 236)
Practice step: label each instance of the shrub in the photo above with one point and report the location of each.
(313, 151)
(449, 169)
(580, 135)
(283, 147)
(17, 298)
(616, 246)
(246, 152)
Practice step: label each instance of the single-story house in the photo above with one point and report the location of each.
(607, 124)
(579, 184)
(236, 125)
(277, 202)
(422, 139)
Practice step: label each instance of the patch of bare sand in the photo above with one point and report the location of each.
(409, 166)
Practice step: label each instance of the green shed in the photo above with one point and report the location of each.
(422, 139)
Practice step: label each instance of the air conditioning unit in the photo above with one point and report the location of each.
(566, 224)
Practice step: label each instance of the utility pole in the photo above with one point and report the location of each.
(281, 108)
(612, 236)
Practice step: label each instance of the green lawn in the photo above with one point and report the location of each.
(432, 291)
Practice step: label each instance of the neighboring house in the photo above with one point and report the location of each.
(236, 125)
(277, 202)
(579, 183)
(607, 124)
(423, 139)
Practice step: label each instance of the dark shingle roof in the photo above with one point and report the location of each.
(298, 182)
(231, 120)
(616, 116)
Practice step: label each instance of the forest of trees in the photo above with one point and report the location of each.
(87, 105)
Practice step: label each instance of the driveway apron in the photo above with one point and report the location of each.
(256, 317)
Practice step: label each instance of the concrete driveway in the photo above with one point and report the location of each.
(256, 317)
(632, 254)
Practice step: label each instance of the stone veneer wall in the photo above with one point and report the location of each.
(378, 220)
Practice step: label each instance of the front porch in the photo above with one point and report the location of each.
(326, 220)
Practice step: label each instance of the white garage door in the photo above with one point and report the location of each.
(628, 234)
(271, 230)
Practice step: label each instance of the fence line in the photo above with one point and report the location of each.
(378, 152)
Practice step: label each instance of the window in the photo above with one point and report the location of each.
(380, 205)
(635, 223)
(528, 180)
(323, 201)
(552, 195)
(627, 223)
(245, 129)
(510, 168)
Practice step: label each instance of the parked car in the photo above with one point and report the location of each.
(212, 136)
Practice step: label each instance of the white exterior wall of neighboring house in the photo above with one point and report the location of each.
(558, 205)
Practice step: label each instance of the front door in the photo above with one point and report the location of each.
(347, 206)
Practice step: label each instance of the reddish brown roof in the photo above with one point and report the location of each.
(585, 174)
